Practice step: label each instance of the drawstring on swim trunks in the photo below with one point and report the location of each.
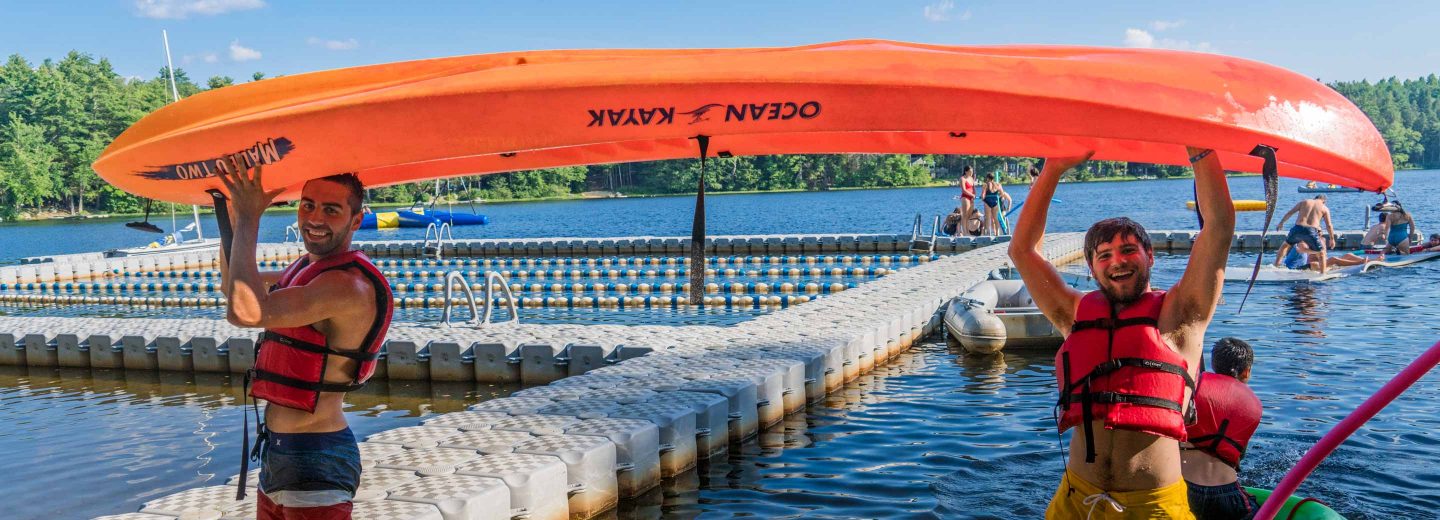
(1097, 498)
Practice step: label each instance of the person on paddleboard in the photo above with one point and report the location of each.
(1227, 413)
(1131, 354)
(325, 317)
(1309, 214)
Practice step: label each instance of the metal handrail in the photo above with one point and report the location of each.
(450, 279)
(295, 229)
(441, 231)
(491, 278)
(479, 317)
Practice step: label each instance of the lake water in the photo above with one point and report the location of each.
(934, 434)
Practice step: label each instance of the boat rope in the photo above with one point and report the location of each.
(1345, 428)
(1271, 177)
(697, 230)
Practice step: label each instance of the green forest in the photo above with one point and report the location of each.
(57, 116)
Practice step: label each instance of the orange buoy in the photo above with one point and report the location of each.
(470, 115)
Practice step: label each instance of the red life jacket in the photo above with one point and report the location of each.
(1228, 413)
(290, 362)
(1115, 366)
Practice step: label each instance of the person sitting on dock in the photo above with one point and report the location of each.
(1227, 414)
(325, 317)
(1127, 367)
(1309, 214)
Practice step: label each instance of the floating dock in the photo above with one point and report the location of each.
(609, 410)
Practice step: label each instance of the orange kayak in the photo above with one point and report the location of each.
(469, 115)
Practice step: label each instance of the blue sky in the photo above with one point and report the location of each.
(1330, 40)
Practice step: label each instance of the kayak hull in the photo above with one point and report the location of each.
(471, 115)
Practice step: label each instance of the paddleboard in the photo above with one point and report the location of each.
(1271, 274)
(471, 115)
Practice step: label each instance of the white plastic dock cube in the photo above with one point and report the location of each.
(205, 502)
(469, 421)
(372, 452)
(428, 461)
(583, 409)
(487, 442)
(513, 405)
(796, 377)
(537, 482)
(622, 395)
(712, 420)
(414, 436)
(677, 432)
(395, 510)
(596, 381)
(637, 449)
(376, 483)
(553, 392)
(590, 470)
(459, 497)
(769, 392)
(744, 408)
(536, 424)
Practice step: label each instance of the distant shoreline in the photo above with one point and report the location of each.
(159, 214)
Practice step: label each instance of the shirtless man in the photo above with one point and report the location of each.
(1309, 214)
(1124, 461)
(325, 317)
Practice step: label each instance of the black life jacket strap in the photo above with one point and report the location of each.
(311, 386)
(262, 435)
(1108, 367)
(317, 348)
(1115, 398)
(1112, 324)
(1211, 443)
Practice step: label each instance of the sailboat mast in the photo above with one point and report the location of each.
(170, 67)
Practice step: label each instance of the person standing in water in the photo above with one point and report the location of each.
(1400, 231)
(325, 318)
(1309, 214)
(1227, 414)
(1127, 367)
(994, 192)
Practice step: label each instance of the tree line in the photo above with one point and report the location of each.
(57, 116)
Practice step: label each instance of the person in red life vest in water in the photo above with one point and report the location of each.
(1227, 414)
(325, 317)
(1131, 353)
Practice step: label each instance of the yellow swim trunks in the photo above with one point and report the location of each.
(1077, 499)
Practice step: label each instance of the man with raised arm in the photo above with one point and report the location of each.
(325, 317)
(1131, 353)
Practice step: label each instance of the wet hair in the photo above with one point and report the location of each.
(1434, 237)
(1106, 230)
(968, 170)
(1382, 216)
(352, 183)
(1034, 172)
(1320, 197)
(1231, 357)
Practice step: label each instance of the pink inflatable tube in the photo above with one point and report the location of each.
(1342, 431)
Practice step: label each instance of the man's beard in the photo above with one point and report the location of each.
(1142, 282)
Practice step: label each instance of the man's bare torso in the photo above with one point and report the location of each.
(1311, 213)
(346, 333)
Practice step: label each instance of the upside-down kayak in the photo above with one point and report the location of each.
(469, 115)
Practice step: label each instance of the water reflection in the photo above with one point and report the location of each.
(1306, 309)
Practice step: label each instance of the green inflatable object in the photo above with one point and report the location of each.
(1308, 510)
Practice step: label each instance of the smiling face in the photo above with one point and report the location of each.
(326, 218)
(1120, 258)
(1122, 268)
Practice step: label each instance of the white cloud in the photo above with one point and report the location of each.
(1143, 39)
(335, 45)
(1163, 25)
(178, 9)
(942, 11)
(210, 57)
(241, 53)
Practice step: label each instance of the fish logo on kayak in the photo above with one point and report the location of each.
(655, 116)
(269, 151)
